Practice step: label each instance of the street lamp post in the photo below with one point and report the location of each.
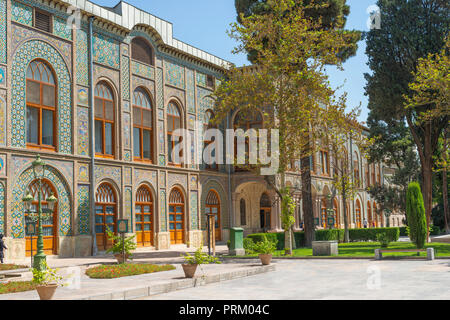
(39, 173)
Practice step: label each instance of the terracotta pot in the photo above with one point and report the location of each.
(189, 270)
(46, 292)
(265, 259)
(119, 257)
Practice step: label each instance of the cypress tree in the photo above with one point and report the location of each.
(415, 210)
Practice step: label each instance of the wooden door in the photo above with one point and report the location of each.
(176, 217)
(212, 206)
(105, 215)
(49, 225)
(144, 217)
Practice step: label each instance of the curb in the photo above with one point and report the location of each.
(334, 258)
(155, 289)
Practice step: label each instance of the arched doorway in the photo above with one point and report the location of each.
(49, 226)
(176, 216)
(212, 206)
(265, 211)
(144, 217)
(358, 213)
(105, 215)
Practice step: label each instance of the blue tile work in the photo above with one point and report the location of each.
(159, 89)
(3, 40)
(201, 79)
(83, 131)
(193, 204)
(28, 52)
(2, 122)
(204, 102)
(22, 13)
(2, 207)
(162, 211)
(128, 214)
(126, 130)
(174, 74)
(143, 70)
(83, 210)
(60, 28)
(106, 51)
(82, 57)
(190, 91)
(125, 76)
(63, 195)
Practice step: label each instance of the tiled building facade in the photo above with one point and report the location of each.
(144, 83)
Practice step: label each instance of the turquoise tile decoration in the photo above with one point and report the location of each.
(106, 51)
(83, 210)
(22, 13)
(174, 74)
(60, 28)
(3, 40)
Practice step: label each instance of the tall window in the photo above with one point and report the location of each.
(265, 211)
(144, 217)
(323, 211)
(173, 123)
(242, 212)
(325, 163)
(176, 217)
(41, 106)
(104, 121)
(358, 214)
(105, 215)
(206, 126)
(212, 206)
(141, 51)
(142, 126)
(246, 121)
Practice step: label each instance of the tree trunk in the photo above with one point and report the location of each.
(445, 203)
(308, 215)
(344, 198)
(427, 173)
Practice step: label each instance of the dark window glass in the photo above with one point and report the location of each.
(32, 125)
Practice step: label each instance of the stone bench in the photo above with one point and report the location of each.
(325, 248)
(429, 251)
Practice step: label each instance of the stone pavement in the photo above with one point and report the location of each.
(333, 280)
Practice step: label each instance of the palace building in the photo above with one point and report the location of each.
(100, 101)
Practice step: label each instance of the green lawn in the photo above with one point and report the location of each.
(16, 286)
(367, 249)
(125, 270)
(5, 267)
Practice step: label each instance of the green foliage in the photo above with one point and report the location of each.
(47, 276)
(288, 206)
(435, 230)
(17, 286)
(370, 234)
(125, 270)
(264, 247)
(403, 231)
(383, 239)
(329, 235)
(248, 245)
(199, 257)
(128, 245)
(415, 211)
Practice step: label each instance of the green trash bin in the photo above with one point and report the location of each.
(237, 242)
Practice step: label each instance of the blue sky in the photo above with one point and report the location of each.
(203, 24)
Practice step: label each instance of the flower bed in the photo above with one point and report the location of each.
(16, 286)
(125, 270)
(5, 267)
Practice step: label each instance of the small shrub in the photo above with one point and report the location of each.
(199, 257)
(383, 239)
(46, 276)
(264, 247)
(127, 244)
(435, 230)
(403, 231)
(330, 235)
(248, 245)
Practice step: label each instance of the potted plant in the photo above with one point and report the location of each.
(264, 249)
(198, 258)
(120, 245)
(47, 281)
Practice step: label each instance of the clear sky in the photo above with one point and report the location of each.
(203, 24)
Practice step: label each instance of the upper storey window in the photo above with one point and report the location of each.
(104, 120)
(141, 51)
(246, 121)
(208, 124)
(41, 106)
(173, 123)
(142, 125)
(43, 21)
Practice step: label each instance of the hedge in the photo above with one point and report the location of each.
(367, 234)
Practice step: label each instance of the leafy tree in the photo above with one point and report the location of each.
(410, 30)
(417, 222)
(287, 84)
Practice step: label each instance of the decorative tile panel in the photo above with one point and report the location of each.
(83, 97)
(193, 205)
(3, 40)
(148, 176)
(143, 70)
(161, 137)
(113, 173)
(61, 29)
(163, 210)
(180, 179)
(2, 207)
(127, 155)
(127, 176)
(26, 53)
(204, 102)
(3, 171)
(83, 131)
(201, 79)
(22, 13)
(174, 74)
(2, 121)
(2, 76)
(128, 214)
(125, 76)
(106, 51)
(126, 130)
(83, 172)
(159, 89)
(83, 210)
(63, 195)
(82, 57)
(190, 91)
(162, 179)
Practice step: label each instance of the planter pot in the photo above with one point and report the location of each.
(46, 292)
(119, 257)
(265, 259)
(189, 270)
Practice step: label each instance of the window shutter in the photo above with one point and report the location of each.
(141, 51)
(42, 21)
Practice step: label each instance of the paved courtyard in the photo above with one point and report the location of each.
(337, 279)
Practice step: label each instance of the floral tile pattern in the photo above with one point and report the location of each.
(3, 40)
(82, 57)
(83, 131)
(83, 210)
(106, 51)
(22, 13)
(174, 74)
(60, 28)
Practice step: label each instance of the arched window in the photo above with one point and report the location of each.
(207, 124)
(105, 215)
(144, 217)
(141, 51)
(142, 126)
(41, 97)
(212, 206)
(245, 121)
(356, 169)
(173, 123)
(243, 212)
(176, 217)
(104, 120)
(265, 211)
(358, 213)
(49, 225)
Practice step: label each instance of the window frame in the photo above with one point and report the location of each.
(142, 128)
(170, 134)
(104, 121)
